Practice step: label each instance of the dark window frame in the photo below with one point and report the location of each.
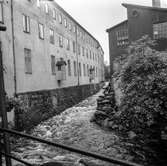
(26, 23)
(28, 59)
(42, 38)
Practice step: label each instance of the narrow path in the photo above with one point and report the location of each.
(72, 127)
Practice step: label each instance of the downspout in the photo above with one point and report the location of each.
(13, 47)
(77, 53)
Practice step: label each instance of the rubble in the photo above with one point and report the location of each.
(106, 108)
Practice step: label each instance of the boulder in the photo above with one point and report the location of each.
(100, 115)
(58, 163)
(132, 135)
(87, 162)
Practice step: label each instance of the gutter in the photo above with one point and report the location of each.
(13, 47)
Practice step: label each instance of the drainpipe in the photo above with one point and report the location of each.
(13, 47)
(77, 53)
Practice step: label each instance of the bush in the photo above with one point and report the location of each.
(144, 84)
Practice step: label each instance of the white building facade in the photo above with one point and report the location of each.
(44, 48)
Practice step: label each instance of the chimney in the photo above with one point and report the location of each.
(156, 3)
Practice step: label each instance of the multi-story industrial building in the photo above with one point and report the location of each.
(142, 20)
(46, 50)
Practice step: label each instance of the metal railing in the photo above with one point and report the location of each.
(65, 147)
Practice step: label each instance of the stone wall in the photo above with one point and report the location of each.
(40, 105)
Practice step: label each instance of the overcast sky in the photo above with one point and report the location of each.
(98, 15)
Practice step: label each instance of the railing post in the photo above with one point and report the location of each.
(3, 110)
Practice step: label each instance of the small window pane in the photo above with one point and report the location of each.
(65, 22)
(69, 67)
(60, 18)
(41, 31)
(46, 8)
(74, 46)
(54, 14)
(26, 23)
(1, 13)
(53, 64)
(67, 44)
(51, 32)
(28, 64)
(61, 41)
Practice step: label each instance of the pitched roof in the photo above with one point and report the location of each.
(144, 7)
(72, 19)
(109, 29)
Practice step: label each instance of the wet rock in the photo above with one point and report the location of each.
(115, 126)
(131, 134)
(100, 115)
(110, 124)
(58, 163)
(87, 162)
(106, 122)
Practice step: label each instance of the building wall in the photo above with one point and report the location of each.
(40, 105)
(142, 24)
(7, 50)
(114, 49)
(41, 50)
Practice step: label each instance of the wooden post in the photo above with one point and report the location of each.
(3, 110)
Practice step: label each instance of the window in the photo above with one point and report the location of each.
(74, 29)
(80, 70)
(1, 13)
(65, 22)
(51, 33)
(54, 13)
(26, 24)
(160, 30)
(46, 9)
(69, 67)
(60, 41)
(77, 32)
(38, 3)
(122, 37)
(28, 64)
(84, 69)
(67, 44)
(70, 27)
(88, 70)
(83, 51)
(60, 18)
(41, 31)
(75, 69)
(79, 49)
(53, 64)
(74, 46)
(87, 53)
(90, 54)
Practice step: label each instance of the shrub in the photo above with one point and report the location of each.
(144, 84)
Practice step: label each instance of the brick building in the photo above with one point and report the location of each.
(142, 20)
(46, 51)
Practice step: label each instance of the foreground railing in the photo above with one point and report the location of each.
(65, 147)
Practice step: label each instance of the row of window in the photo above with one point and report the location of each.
(63, 42)
(123, 43)
(160, 30)
(26, 23)
(66, 22)
(86, 68)
(1, 13)
(122, 34)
